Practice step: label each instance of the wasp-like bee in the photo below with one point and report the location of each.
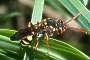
(47, 27)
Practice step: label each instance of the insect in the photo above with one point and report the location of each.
(26, 35)
(47, 27)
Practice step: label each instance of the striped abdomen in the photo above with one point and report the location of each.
(26, 40)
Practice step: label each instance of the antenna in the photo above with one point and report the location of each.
(74, 18)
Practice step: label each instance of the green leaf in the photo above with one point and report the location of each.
(57, 49)
(7, 44)
(7, 32)
(8, 48)
(37, 11)
(4, 57)
(85, 2)
(58, 7)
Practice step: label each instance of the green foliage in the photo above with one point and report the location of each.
(75, 7)
(7, 32)
(57, 49)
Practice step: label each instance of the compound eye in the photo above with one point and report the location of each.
(29, 37)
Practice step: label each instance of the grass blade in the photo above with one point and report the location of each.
(74, 7)
(4, 57)
(37, 11)
(7, 32)
(85, 2)
(6, 44)
(58, 50)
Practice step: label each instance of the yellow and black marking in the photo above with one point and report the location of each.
(26, 41)
(24, 35)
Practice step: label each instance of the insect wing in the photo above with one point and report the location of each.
(16, 36)
(78, 30)
(21, 33)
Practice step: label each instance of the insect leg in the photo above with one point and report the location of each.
(74, 18)
(37, 42)
(46, 34)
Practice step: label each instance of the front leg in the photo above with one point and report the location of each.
(37, 42)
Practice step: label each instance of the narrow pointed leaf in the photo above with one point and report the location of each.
(58, 50)
(37, 11)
